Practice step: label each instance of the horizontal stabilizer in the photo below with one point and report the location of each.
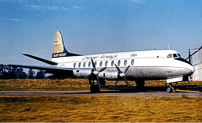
(41, 59)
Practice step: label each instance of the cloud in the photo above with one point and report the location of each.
(52, 8)
(77, 7)
(43, 8)
(16, 20)
(137, 1)
(64, 9)
(36, 7)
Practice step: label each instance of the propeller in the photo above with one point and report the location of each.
(94, 72)
(122, 74)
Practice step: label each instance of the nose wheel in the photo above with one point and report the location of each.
(170, 88)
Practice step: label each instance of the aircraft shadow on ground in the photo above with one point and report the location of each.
(156, 88)
(132, 89)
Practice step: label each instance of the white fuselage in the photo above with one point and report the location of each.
(154, 64)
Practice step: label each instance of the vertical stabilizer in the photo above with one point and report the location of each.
(59, 49)
(58, 43)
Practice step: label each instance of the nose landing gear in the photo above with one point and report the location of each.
(170, 88)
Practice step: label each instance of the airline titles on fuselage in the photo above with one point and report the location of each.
(100, 57)
(104, 57)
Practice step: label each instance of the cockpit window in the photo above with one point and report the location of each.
(174, 55)
(179, 55)
(169, 55)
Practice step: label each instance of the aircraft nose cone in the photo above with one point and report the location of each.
(193, 69)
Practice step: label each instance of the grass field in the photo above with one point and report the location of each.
(100, 109)
(71, 84)
(43, 84)
(95, 109)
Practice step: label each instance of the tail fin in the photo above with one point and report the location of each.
(59, 49)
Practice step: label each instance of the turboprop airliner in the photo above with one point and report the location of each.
(136, 66)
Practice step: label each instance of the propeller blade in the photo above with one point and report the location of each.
(116, 81)
(118, 68)
(88, 77)
(126, 81)
(93, 64)
(98, 81)
(126, 69)
(102, 69)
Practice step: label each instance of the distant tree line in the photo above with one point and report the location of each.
(8, 72)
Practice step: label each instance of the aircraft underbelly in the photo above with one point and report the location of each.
(152, 72)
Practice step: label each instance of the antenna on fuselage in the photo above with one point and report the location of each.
(168, 46)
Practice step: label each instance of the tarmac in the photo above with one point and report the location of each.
(102, 93)
(127, 91)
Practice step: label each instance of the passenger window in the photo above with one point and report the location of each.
(89, 64)
(95, 64)
(112, 63)
(132, 62)
(79, 64)
(101, 64)
(106, 63)
(74, 65)
(169, 56)
(119, 63)
(174, 55)
(84, 64)
(125, 62)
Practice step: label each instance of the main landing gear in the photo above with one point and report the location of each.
(95, 88)
(139, 85)
(170, 88)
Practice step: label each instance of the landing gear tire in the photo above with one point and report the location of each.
(94, 89)
(169, 89)
(102, 82)
(139, 85)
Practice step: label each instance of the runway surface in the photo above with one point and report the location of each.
(102, 93)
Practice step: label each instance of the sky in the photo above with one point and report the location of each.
(97, 26)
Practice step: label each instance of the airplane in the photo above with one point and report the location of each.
(136, 66)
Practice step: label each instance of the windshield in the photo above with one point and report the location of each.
(179, 55)
(174, 55)
(169, 56)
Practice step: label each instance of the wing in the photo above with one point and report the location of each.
(55, 70)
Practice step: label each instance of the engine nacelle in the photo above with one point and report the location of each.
(108, 75)
(81, 72)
